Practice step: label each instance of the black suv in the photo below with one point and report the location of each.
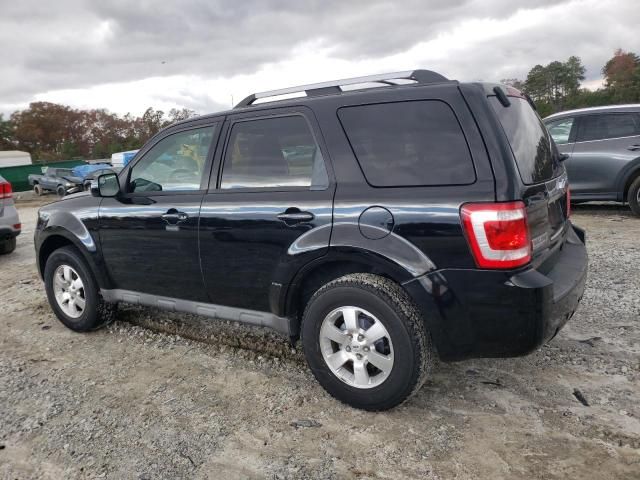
(379, 219)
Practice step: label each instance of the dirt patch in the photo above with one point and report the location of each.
(160, 395)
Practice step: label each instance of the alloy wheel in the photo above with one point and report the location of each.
(69, 291)
(356, 346)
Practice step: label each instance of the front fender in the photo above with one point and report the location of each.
(63, 223)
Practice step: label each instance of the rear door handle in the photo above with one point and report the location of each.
(174, 216)
(634, 147)
(294, 215)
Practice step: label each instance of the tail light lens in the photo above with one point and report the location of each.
(498, 234)
(5, 190)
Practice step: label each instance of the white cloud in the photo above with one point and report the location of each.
(491, 44)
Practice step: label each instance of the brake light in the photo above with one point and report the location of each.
(498, 233)
(568, 202)
(5, 190)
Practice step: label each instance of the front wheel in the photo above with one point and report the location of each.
(60, 190)
(37, 189)
(366, 342)
(73, 292)
(633, 196)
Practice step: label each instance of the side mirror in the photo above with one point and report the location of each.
(106, 185)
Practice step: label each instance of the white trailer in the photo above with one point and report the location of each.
(14, 158)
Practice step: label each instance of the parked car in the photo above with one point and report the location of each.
(10, 226)
(382, 226)
(603, 149)
(59, 180)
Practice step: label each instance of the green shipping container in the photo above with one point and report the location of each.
(18, 176)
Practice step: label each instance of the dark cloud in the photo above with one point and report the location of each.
(73, 43)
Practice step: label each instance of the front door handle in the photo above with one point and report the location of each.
(633, 148)
(174, 216)
(294, 215)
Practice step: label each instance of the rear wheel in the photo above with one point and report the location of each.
(37, 189)
(633, 196)
(7, 246)
(60, 190)
(366, 342)
(73, 292)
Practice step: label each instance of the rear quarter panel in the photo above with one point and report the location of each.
(426, 232)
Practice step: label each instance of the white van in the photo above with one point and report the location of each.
(120, 159)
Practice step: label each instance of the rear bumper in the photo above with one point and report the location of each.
(485, 313)
(8, 233)
(8, 219)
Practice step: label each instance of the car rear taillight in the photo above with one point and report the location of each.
(498, 233)
(5, 190)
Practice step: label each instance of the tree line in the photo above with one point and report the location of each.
(57, 132)
(557, 86)
(51, 132)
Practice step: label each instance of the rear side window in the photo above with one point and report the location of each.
(529, 140)
(608, 125)
(273, 152)
(417, 143)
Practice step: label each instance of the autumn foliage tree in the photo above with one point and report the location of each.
(51, 131)
(622, 77)
(556, 86)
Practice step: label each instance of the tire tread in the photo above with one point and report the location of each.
(395, 296)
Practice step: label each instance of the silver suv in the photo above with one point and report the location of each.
(602, 145)
(9, 222)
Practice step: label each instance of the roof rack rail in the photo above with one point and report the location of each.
(334, 86)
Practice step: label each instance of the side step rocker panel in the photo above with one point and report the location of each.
(251, 317)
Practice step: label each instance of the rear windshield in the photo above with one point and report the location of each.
(529, 140)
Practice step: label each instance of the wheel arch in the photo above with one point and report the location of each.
(626, 177)
(62, 238)
(335, 264)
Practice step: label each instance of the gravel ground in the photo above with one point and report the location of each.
(159, 395)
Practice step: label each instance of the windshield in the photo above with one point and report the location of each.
(529, 140)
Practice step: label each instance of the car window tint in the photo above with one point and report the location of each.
(608, 125)
(560, 130)
(412, 143)
(273, 152)
(175, 163)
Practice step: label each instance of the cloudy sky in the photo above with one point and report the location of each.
(127, 55)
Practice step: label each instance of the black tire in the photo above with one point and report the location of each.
(60, 191)
(97, 312)
(633, 196)
(37, 189)
(391, 305)
(7, 246)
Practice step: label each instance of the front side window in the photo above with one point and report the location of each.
(416, 143)
(176, 163)
(608, 125)
(560, 130)
(273, 152)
